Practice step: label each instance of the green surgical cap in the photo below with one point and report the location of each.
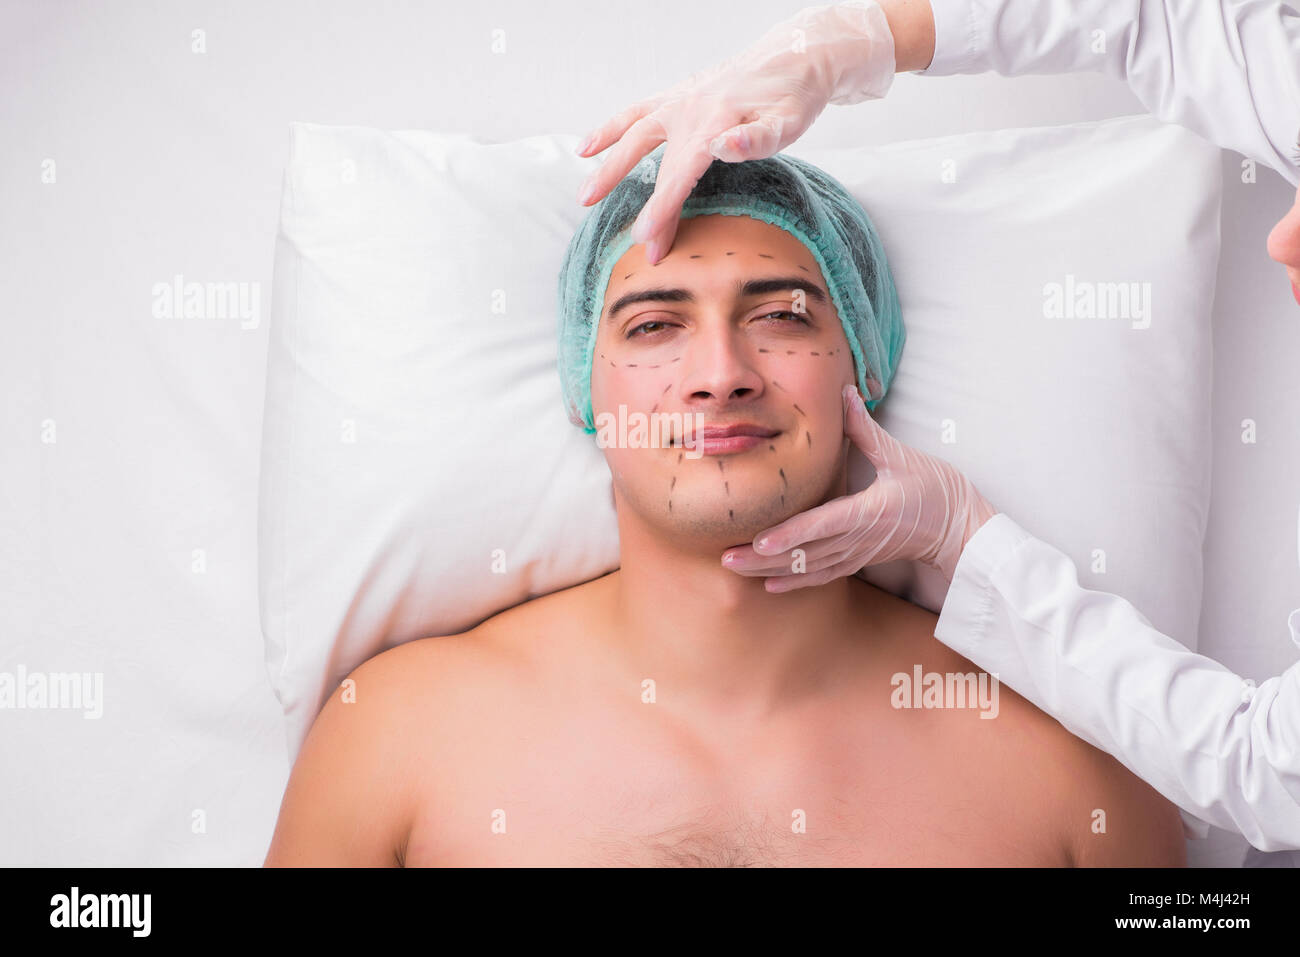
(781, 190)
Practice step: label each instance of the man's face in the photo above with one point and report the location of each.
(770, 357)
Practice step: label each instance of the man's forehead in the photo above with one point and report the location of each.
(700, 261)
(742, 231)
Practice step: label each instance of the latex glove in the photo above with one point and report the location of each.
(750, 106)
(918, 508)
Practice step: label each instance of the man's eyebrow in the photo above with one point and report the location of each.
(745, 289)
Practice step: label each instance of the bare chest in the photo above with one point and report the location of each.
(611, 797)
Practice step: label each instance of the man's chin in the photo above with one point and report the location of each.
(708, 518)
(716, 529)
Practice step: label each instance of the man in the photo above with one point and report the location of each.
(675, 713)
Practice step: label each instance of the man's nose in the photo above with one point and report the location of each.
(720, 364)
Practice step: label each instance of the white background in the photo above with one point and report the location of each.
(169, 161)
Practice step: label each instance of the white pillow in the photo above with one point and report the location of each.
(419, 473)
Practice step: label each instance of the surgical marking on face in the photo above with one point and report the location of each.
(726, 485)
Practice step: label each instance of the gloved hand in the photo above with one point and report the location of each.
(750, 106)
(919, 508)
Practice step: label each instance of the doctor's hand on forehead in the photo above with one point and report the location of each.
(756, 103)
(919, 508)
(748, 107)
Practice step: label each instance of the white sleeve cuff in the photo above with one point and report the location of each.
(964, 617)
(956, 38)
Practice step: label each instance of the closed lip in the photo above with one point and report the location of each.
(741, 428)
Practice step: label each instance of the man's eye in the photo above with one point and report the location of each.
(644, 330)
(793, 315)
(653, 322)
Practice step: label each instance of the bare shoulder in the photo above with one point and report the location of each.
(1113, 817)
(439, 692)
(396, 720)
(499, 646)
(1100, 812)
(1081, 798)
(350, 794)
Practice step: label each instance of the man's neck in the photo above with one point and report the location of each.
(717, 644)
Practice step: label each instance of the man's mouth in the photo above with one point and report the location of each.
(729, 439)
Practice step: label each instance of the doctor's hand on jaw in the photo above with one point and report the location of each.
(919, 508)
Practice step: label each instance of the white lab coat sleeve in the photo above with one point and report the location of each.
(1222, 750)
(1229, 70)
